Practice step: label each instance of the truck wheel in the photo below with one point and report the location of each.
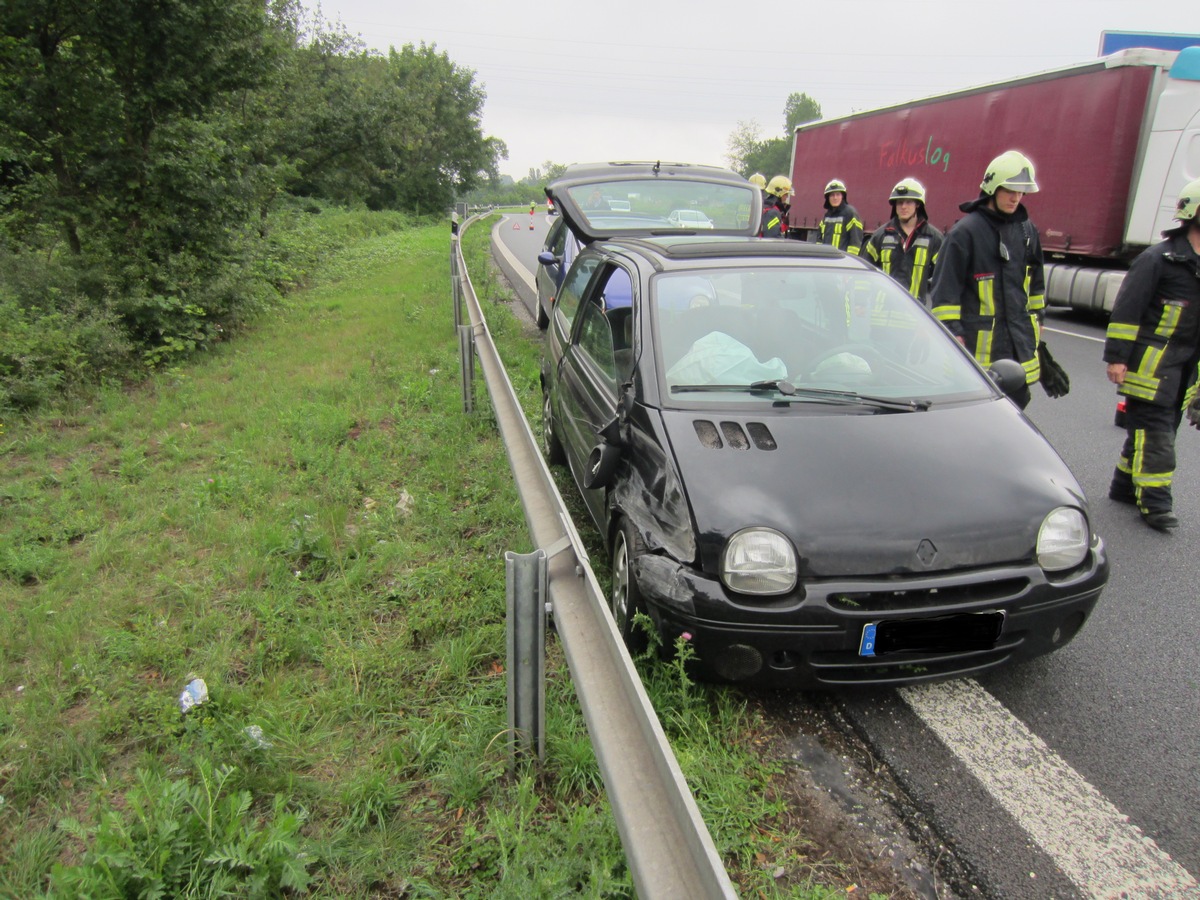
(626, 600)
(551, 446)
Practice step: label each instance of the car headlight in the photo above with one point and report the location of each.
(1063, 539)
(759, 561)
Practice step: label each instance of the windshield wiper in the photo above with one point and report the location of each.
(850, 398)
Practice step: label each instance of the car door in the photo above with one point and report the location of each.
(590, 376)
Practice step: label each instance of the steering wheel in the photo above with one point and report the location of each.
(864, 351)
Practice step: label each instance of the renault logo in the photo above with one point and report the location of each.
(926, 552)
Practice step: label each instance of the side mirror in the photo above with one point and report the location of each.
(1008, 374)
(546, 258)
(602, 461)
(601, 464)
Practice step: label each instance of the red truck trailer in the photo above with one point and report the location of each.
(1113, 141)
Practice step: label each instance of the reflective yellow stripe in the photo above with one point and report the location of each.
(1168, 322)
(1150, 360)
(918, 272)
(947, 313)
(1121, 331)
(983, 348)
(1140, 385)
(987, 297)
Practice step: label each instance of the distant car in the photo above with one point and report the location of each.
(799, 471)
(619, 205)
(689, 218)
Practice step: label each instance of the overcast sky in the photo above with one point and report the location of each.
(577, 82)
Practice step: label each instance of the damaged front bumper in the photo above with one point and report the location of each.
(814, 636)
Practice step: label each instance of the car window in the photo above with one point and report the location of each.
(572, 289)
(616, 206)
(595, 341)
(829, 329)
(557, 238)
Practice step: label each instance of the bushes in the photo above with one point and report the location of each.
(66, 327)
(46, 352)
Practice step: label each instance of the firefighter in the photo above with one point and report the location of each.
(775, 207)
(989, 283)
(841, 227)
(907, 246)
(1152, 349)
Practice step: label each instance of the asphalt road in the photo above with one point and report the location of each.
(1078, 774)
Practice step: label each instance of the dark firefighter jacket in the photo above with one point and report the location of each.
(774, 219)
(1154, 328)
(842, 228)
(908, 259)
(989, 285)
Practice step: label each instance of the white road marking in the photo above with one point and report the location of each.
(518, 266)
(1087, 837)
(1082, 337)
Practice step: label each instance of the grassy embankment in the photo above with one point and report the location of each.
(306, 519)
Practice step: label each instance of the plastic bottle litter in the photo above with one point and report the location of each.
(193, 695)
(255, 734)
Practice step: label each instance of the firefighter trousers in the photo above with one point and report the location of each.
(1147, 464)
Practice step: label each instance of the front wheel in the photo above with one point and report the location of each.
(626, 600)
(551, 446)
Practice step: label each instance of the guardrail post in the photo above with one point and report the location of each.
(456, 281)
(466, 358)
(525, 582)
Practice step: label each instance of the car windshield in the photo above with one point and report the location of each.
(618, 206)
(801, 336)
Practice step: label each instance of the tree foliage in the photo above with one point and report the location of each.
(749, 152)
(798, 109)
(145, 143)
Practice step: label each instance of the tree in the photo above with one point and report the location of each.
(749, 153)
(798, 109)
(101, 102)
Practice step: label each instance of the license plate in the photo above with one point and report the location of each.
(941, 634)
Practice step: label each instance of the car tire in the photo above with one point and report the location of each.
(542, 319)
(551, 446)
(625, 599)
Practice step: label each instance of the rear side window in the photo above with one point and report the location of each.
(567, 305)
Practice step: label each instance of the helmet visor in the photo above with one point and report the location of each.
(1022, 181)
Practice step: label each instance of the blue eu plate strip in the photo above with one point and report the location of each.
(867, 646)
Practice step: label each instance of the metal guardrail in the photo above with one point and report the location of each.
(667, 845)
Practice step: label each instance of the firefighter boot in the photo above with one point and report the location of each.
(1121, 487)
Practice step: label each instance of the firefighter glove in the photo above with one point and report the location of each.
(1054, 378)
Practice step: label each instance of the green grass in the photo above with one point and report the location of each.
(306, 519)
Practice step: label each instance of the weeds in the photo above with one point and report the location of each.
(306, 519)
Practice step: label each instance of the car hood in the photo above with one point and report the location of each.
(874, 494)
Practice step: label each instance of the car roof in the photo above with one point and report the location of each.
(656, 188)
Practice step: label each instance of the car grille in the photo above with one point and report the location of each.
(715, 436)
(927, 597)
